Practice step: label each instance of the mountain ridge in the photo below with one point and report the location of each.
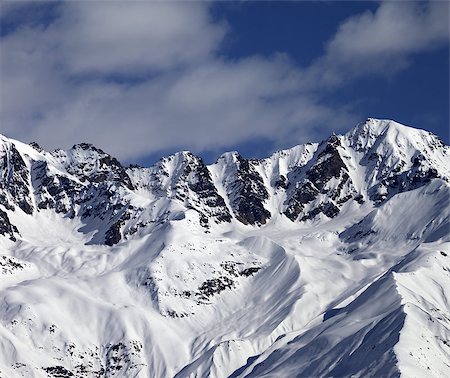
(241, 178)
(320, 260)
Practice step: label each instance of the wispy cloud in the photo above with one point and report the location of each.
(138, 77)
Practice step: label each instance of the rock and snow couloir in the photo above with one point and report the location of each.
(329, 259)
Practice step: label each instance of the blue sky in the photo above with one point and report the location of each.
(142, 79)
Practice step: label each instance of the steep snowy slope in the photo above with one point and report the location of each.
(328, 259)
(399, 323)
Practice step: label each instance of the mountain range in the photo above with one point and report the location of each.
(325, 259)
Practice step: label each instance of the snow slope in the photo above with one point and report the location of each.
(328, 259)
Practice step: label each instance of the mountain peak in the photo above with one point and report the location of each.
(229, 156)
(87, 147)
(373, 127)
(376, 127)
(365, 134)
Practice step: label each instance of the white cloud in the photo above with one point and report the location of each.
(383, 41)
(214, 105)
(56, 87)
(396, 28)
(133, 36)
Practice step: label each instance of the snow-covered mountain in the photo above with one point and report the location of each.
(329, 259)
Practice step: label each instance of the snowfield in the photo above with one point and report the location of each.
(328, 259)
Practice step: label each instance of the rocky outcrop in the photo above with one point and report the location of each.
(246, 191)
(185, 178)
(327, 177)
(93, 165)
(6, 228)
(15, 179)
(399, 179)
(54, 190)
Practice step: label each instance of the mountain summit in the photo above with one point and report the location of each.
(326, 259)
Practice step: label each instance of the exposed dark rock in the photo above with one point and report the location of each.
(174, 314)
(4, 200)
(330, 210)
(119, 358)
(359, 230)
(36, 146)
(249, 271)
(95, 165)
(119, 173)
(113, 235)
(397, 181)
(344, 199)
(6, 228)
(8, 265)
(251, 212)
(304, 194)
(192, 185)
(15, 180)
(281, 183)
(248, 193)
(58, 372)
(200, 182)
(331, 166)
(134, 166)
(85, 147)
(327, 164)
(54, 191)
(359, 198)
(232, 267)
(312, 214)
(214, 286)
(335, 194)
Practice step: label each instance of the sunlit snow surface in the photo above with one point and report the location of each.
(362, 294)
